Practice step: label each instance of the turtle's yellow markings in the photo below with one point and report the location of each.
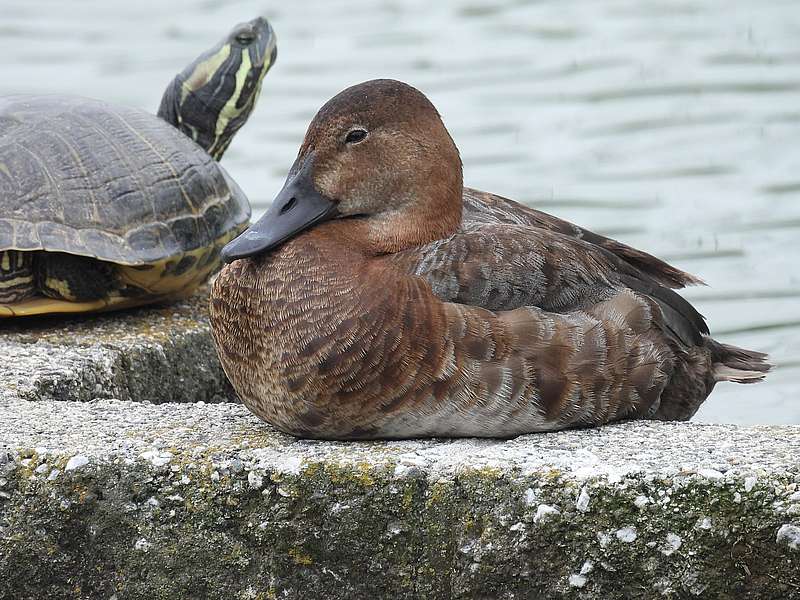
(204, 71)
(60, 287)
(41, 306)
(229, 111)
(9, 283)
(156, 281)
(162, 288)
(5, 264)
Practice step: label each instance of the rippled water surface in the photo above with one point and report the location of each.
(673, 126)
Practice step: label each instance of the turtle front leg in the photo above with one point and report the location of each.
(16, 276)
(73, 278)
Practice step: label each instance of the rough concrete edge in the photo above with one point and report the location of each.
(205, 522)
(183, 369)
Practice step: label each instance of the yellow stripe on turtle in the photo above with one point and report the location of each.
(158, 282)
(204, 71)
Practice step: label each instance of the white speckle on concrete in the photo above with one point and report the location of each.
(255, 480)
(152, 501)
(789, 535)
(749, 483)
(626, 534)
(737, 497)
(142, 545)
(292, 464)
(156, 457)
(587, 567)
(641, 501)
(577, 581)
(674, 542)
(704, 523)
(394, 528)
(795, 497)
(530, 497)
(603, 538)
(53, 474)
(76, 462)
(42, 469)
(517, 527)
(710, 473)
(545, 512)
(583, 500)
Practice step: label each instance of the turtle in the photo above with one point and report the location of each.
(105, 206)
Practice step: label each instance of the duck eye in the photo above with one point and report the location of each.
(244, 38)
(355, 136)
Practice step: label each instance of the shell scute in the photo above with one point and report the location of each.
(116, 183)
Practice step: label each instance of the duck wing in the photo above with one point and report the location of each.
(504, 267)
(436, 368)
(483, 207)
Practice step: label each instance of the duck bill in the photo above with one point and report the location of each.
(297, 207)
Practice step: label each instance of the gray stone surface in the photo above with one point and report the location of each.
(153, 354)
(131, 500)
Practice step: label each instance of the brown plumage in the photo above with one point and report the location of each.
(380, 299)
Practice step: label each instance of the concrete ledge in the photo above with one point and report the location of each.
(115, 499)
(161, 354)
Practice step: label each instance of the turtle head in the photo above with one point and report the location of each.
(213, 97)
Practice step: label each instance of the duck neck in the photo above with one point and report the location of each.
(427, 215)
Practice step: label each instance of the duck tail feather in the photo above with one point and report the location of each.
(660, 271)
(738, 365)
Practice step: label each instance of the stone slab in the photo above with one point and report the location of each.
(121, 499)
(154, 354)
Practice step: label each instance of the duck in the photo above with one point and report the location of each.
(378, 298)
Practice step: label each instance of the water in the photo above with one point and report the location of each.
(673, 126)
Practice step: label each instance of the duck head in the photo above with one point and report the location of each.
(378, 155)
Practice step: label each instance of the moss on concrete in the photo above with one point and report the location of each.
(193, 501)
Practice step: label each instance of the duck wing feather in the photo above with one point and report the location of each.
(484, 207)
(507, 266)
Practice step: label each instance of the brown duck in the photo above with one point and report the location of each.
(378, 298)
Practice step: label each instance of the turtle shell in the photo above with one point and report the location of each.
(85, 177)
